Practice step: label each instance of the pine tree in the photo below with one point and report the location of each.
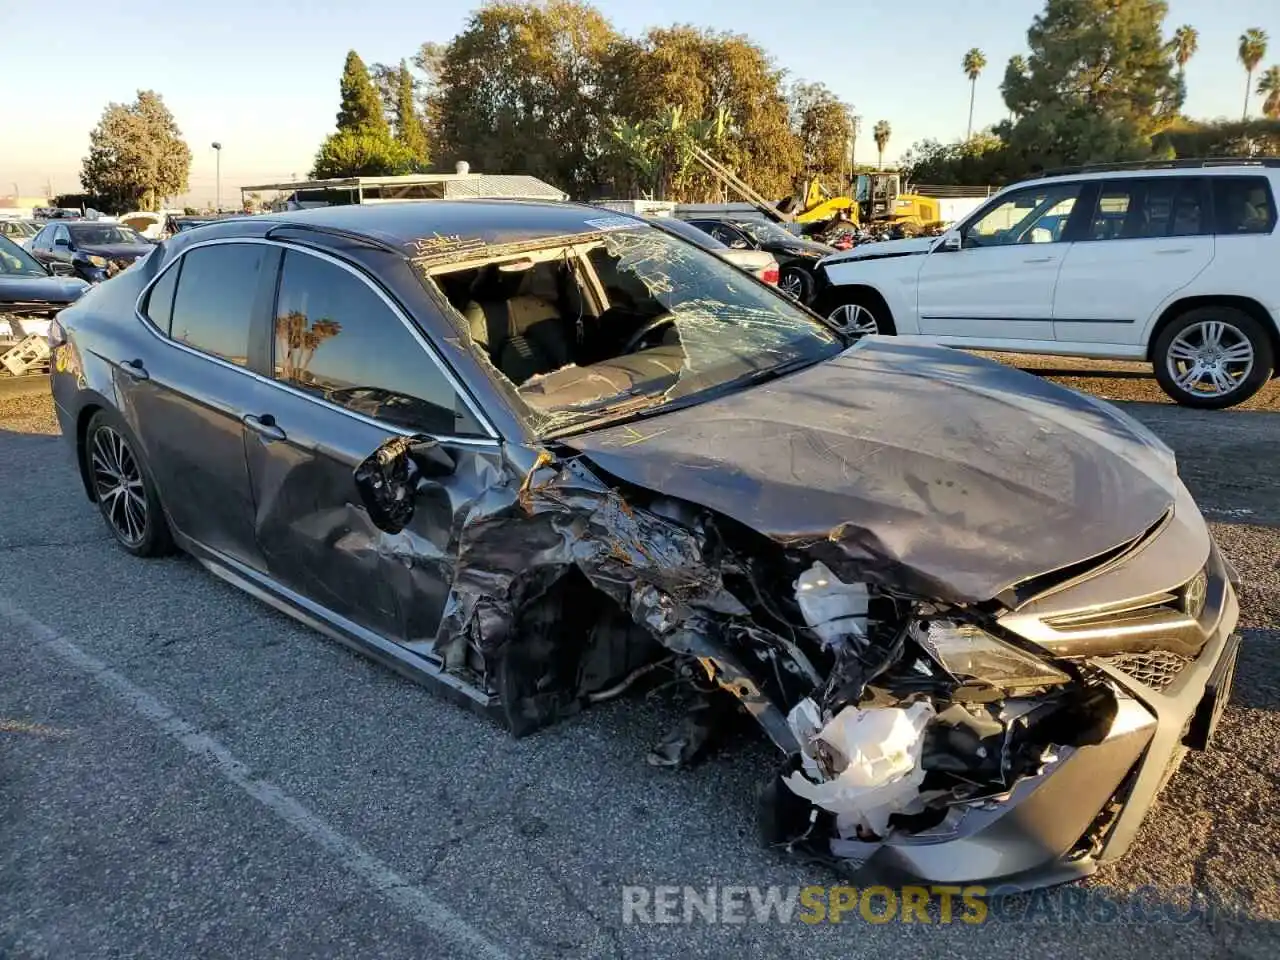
(409, 127)
(361, 110)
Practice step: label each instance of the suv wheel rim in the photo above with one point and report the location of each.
(792, 284)
(117, 480)
(1210, 359)
(854, 318)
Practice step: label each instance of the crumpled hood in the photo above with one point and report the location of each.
(115, 251)
(932, 470)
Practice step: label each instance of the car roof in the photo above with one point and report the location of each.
(1257, 166)
(491, 221)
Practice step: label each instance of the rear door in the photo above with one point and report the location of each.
(999, 285)
(1144, 239)
(349, 372)
(186, 392)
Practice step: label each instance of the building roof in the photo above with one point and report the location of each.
(451, 185)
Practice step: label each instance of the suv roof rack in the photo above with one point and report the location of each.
(1184, 163)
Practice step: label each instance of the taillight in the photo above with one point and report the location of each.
(56, 335)
(769, 275)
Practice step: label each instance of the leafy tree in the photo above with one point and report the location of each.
(1269, 87)
(1253, 47)
(824, 127)
(350, 153)
(361, 110)
(1222, 138)
(881, 133)
(705, 72)
(520, 92)
(661, 152)
(1098, 83)
(979, 160)
(973, 64)
(410, 132)
(137, 156)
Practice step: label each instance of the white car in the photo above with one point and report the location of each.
(1176, 263)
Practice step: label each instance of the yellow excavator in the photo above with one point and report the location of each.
(878, 200)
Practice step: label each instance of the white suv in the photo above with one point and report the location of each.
(1177, 263)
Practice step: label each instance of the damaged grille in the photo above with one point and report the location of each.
(1155, 668)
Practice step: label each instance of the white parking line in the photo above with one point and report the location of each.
(413, 900)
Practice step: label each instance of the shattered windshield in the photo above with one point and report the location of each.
(598, 326)
(762, 231)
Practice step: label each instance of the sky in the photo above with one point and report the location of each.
(261, 76)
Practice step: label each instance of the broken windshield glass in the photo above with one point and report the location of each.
(602, 325)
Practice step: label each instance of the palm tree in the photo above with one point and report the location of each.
(1253, 47)
(1269, 87)
(1185, 43)
(974, 63)
(881, 132)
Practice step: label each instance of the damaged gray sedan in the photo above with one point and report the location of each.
(538, 455)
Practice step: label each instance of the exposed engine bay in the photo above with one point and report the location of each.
(892, 711)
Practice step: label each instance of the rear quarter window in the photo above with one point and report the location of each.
(1243, 205)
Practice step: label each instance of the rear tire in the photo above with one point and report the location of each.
(123, 488)
(860, 313)
(797, 284)
(1213, 357)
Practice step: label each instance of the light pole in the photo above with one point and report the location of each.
(217, 183)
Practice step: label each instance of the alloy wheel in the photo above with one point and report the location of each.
(1211, 358)
(855, 319)
(117, 480)
(792, 284)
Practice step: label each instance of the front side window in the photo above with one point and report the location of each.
(763, 232)
(213, 306)
(596, 326)
(337, 339)
(1034, 215)
(1243, 205)
(1137, 209)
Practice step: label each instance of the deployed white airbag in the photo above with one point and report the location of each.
(863, 766)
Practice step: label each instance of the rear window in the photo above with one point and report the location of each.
(213, 309)
(1243, 205)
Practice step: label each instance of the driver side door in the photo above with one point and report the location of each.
(999, 285)
(347, 374)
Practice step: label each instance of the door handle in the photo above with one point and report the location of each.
(1039, 260)
(135, 370)
(264, 425)
(1175, 250)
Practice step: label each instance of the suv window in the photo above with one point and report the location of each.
(1036, 214)
(1141, 209)
(336, 338)
(1243, 205)
(213, 308)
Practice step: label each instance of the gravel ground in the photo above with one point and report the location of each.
(185, 772)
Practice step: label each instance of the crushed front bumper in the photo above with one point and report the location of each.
(1086, 804)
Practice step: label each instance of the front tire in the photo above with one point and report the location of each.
(860, 313)
(1213, 357)
(123, 488)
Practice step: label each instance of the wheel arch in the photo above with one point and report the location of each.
(1245, 304)
(91, 405)
(843, 293)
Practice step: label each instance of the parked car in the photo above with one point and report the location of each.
(796, 256)
(95, 251)
(529, 453)
(29, 294)
(146, 223)
(19, 231)
(1172, 264)
(755, 262)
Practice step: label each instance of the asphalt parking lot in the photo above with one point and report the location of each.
(185, 772)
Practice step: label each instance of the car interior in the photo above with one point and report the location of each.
(566, 328)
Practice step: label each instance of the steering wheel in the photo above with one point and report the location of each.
(637, 338)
